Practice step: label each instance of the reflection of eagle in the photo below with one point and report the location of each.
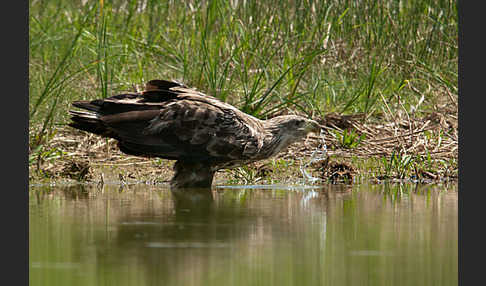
(171, 121)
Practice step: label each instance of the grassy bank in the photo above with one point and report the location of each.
(392, 62)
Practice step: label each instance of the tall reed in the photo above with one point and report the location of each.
(265, 57)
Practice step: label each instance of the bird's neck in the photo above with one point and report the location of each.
(274, 142)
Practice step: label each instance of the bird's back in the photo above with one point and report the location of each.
(171, 121)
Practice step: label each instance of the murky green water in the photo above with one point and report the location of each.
(334, 235)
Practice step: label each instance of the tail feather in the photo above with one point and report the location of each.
(87, 121)
(82, 114)
(93, 105)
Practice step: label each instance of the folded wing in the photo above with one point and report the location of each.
(171, 121)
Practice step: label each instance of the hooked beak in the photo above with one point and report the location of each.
(314, 127)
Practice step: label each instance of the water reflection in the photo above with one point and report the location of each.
(334, 235)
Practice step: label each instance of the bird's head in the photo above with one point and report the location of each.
(295, 126)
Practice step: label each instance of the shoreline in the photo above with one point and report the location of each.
(422, 149)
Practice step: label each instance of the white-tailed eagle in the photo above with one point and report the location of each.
(169, 120)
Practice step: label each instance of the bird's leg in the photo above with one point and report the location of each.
(192, 175)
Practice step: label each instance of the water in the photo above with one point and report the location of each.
(275, 235)
(319, 154)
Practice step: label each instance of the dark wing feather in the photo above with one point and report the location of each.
(202, 131)
(173, 122)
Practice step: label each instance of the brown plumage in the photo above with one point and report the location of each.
(169, 120)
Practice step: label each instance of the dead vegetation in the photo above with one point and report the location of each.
(401, 146)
